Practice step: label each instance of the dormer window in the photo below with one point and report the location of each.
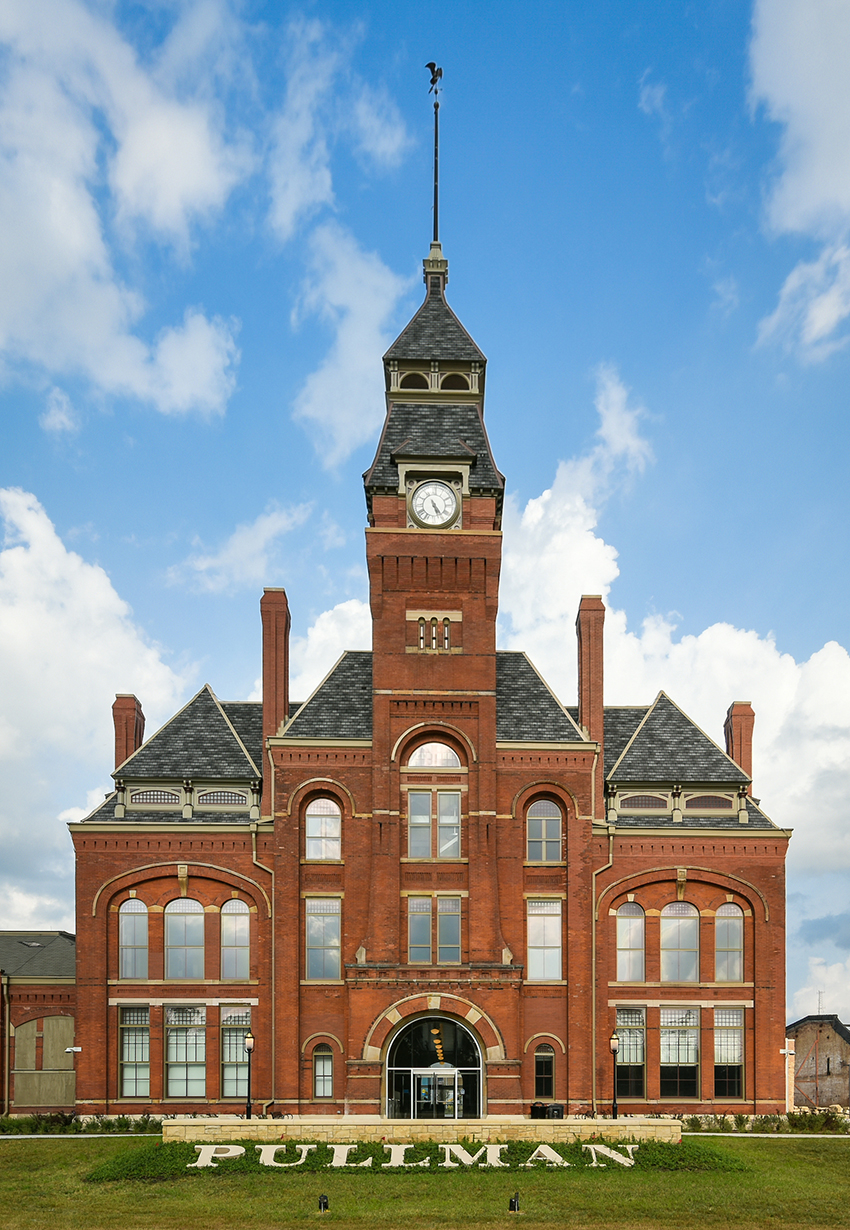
(709, 802)
(222, 798)
(644, 802)
(454, 380)
(158, 797)
(414, 380)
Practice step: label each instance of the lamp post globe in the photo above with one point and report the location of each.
(249, 1051)
(614, 1044)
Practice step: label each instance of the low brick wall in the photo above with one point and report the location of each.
(223, 1128)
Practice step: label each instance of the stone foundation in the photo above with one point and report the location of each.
(221, 1128)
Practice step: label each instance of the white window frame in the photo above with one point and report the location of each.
(545, 960)
(329, 933)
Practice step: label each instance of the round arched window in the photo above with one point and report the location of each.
(680, 942)
(544, 831)
(323, 829)
(434, 756)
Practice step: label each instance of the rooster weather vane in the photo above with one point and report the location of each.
(436, 78)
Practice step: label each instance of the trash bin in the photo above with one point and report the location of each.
(538, 1110)
(555, 1111)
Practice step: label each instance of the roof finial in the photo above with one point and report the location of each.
(435, 262)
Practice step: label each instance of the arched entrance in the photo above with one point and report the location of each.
(434, 1071)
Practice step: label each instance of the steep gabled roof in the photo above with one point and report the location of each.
(825, 1018)
(436, 430)
(341, 706)
(667, 746)
(198, 742)
(434, 333)
(246, 717)
(38, 954)
(527, 710)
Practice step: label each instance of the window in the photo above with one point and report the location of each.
(679, 942)
(133, 938)
(630, 943)
(544, 941)
(420, 827)
(235, 940)
(184, 939)
(454, 380)
(544, 1071)
(185, 1052)
(414, 380)
(323, 937)
(709, 802)
(631, 1056)
(134, 1027)
(235, 1024)
(544, 832)
(155, 796)
(323, 830)
(644, 801)
(323, 1071)
(729, 944)
(447, 635)
(222, 798)
(679, 1052)
(419, 940)
(434, 756)
(728, 1052)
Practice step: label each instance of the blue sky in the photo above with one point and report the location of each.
(213, 218)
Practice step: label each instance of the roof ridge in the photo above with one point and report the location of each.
(697, 726)
(634, 734)
(553, 694)
(164, 726)
(235, 734)
(317, 689)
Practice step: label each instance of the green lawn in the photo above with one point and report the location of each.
(788, 1183)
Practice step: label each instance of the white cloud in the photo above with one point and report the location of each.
(356, 294)
(378, 127)
(832, 980)
(798, 57)
(651, 97)
(246, 558)
(88, 134)
(59, 415)
(67, 645)
(348, 625)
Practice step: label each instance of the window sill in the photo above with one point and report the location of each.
(442, 861)
(322, 862)
(322, 982)
(545, 982)
(543, 863)
(722, 986)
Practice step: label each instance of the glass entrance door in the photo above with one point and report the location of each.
(434, 1072)
(436, 1095)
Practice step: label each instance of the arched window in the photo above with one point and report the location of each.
(729, 944)
(235, 941)
(421, 633)
(434, 756)
(323, 829)
(544, 1071)
(544, 832)
(447, 634)
(414, 380)
(323, 1071)
(184, 939)
(133, 938)
(680, 942)
(454, 380)
(433, 634)
(630, 943)
(155, 796)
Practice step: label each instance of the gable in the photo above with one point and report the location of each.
(198, 742)
(668, 746)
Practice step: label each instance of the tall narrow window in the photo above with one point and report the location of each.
(630, 943)
(323, 824)
(235, 1023)
(544, 1071)
(133, 938)
(729, 944)
(680, 942)
(419, 930)
(679, 1052)
(186, 1052)
(448, 929)
(323, 1071)
(544, 832)
(631, 1056)
(184, 939)
(448, 825)
(544, 941)
(323, 937)
(433, 634)
(235, 941)
(447, 639)
(728, 1052)
(419, 824)
(421, 633)
(134, 1026)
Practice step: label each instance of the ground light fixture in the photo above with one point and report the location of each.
(249, 1051)
(323, 1204)
(513, 1203)
(614, 1043)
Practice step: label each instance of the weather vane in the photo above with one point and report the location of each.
(436, 78)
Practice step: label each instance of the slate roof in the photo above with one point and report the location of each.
(668, 746)
(104, 813)
(54, 956)
(434, 332)
(757, 820)
(341, 706)
(199, 742)
(434, 430)
(527, 711)
(246, 716)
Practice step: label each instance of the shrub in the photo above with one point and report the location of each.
(693, 1123)
(816, 1121)
(741, 1122)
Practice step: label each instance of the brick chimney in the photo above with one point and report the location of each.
(129, 722)
(274, 611)
(589, 625)
(738, 728)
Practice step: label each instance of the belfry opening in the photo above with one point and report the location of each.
(434, 1071)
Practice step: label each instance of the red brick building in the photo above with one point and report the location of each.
(431, 889)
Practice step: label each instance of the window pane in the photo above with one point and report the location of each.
(323, 938)
(544, 940)
(448, 929)
(434, 756)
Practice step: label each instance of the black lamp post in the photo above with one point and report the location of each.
(249, 1051)
(614, 1043)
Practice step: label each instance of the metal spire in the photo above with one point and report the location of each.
(436, 78)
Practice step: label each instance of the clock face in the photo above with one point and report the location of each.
(434, 504)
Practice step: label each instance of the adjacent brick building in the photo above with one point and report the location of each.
(822, 1061)
(431, 889)
(37, 1006)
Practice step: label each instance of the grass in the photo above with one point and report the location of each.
(786, 1183)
